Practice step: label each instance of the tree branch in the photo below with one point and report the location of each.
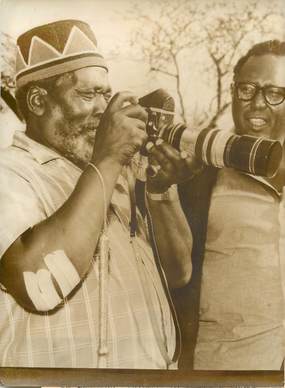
(163, 72)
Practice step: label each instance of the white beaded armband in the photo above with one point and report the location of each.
(40, 287)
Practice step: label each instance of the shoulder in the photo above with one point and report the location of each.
(13, 156)
(20, 207)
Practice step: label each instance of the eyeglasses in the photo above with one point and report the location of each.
(273, 95)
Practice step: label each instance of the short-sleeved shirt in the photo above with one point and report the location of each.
(242, 303)
(34, 182)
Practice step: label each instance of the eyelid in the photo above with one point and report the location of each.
(93, 90)
(85, 91)
(93, 93)
(269, 86)
(276, 88)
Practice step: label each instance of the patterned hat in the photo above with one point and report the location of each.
(54, 49)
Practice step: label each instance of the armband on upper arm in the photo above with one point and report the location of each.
(41, 290)
(40, 286)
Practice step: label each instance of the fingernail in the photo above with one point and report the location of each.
(158, 142)
(149, 146)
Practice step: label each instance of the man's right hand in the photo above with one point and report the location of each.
(122, 130)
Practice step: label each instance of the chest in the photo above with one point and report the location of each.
(242, 211)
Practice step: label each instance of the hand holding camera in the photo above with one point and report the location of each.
(212, 147)
(122, 129)
(168, 166)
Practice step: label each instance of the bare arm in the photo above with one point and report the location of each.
(173, 240)
(170, 228)
(75, 227)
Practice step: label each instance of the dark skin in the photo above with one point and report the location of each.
(68, 124)
(257, 117)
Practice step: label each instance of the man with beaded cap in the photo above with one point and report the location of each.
(78, 288)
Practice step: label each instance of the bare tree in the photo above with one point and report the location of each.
(164, 35)
(221, 29)
(8, 49)
(239, 26)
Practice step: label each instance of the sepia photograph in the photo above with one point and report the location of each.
(142, 193)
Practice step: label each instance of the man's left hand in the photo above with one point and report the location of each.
(168, 166)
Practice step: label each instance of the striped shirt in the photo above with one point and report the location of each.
(242, 302)
(34, 182)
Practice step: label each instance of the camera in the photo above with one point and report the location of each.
(218, 148)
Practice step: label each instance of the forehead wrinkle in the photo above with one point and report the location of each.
(92, 78)
(66, 78)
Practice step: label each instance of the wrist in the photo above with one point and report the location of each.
(110, 165)
(109, 171)
(152, 187)
(170, 194)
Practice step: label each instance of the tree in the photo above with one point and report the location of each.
(8, 54)
(176, 33)
(8, 49)
(163, 35)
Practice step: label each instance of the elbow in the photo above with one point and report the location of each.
(25, 294)
(20, 296)
(31, 308)
(180, 278)
(179, 282)
(40, 310)
(181, 272)
(184, 278)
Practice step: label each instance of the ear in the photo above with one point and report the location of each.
(36, 100)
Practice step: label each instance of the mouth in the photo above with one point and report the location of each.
(90, 127)
(257, 124)
(90, 135)
(90, 131)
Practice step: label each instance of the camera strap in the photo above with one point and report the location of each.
(133, 218)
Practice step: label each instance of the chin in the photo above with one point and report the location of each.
(78, 152)
(252, 132)
(259, 134)
(83, 157)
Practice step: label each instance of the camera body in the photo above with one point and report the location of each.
(218, 148)
(160, 107)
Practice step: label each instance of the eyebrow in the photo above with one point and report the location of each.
(92, 90)
(258, 84)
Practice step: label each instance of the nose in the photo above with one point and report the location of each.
(259, 101)
(100, 104)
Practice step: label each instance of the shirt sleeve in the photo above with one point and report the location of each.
(20, 208)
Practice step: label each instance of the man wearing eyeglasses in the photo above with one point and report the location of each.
(238, 225)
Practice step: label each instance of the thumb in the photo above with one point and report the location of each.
(120, 99)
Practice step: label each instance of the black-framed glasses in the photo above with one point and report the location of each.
(273, 95)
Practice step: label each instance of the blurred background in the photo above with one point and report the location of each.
(188, 47)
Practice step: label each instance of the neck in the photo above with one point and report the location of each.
(32, 131)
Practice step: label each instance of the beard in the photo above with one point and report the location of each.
(76, 143)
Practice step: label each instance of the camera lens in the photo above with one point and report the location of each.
(219, 148)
